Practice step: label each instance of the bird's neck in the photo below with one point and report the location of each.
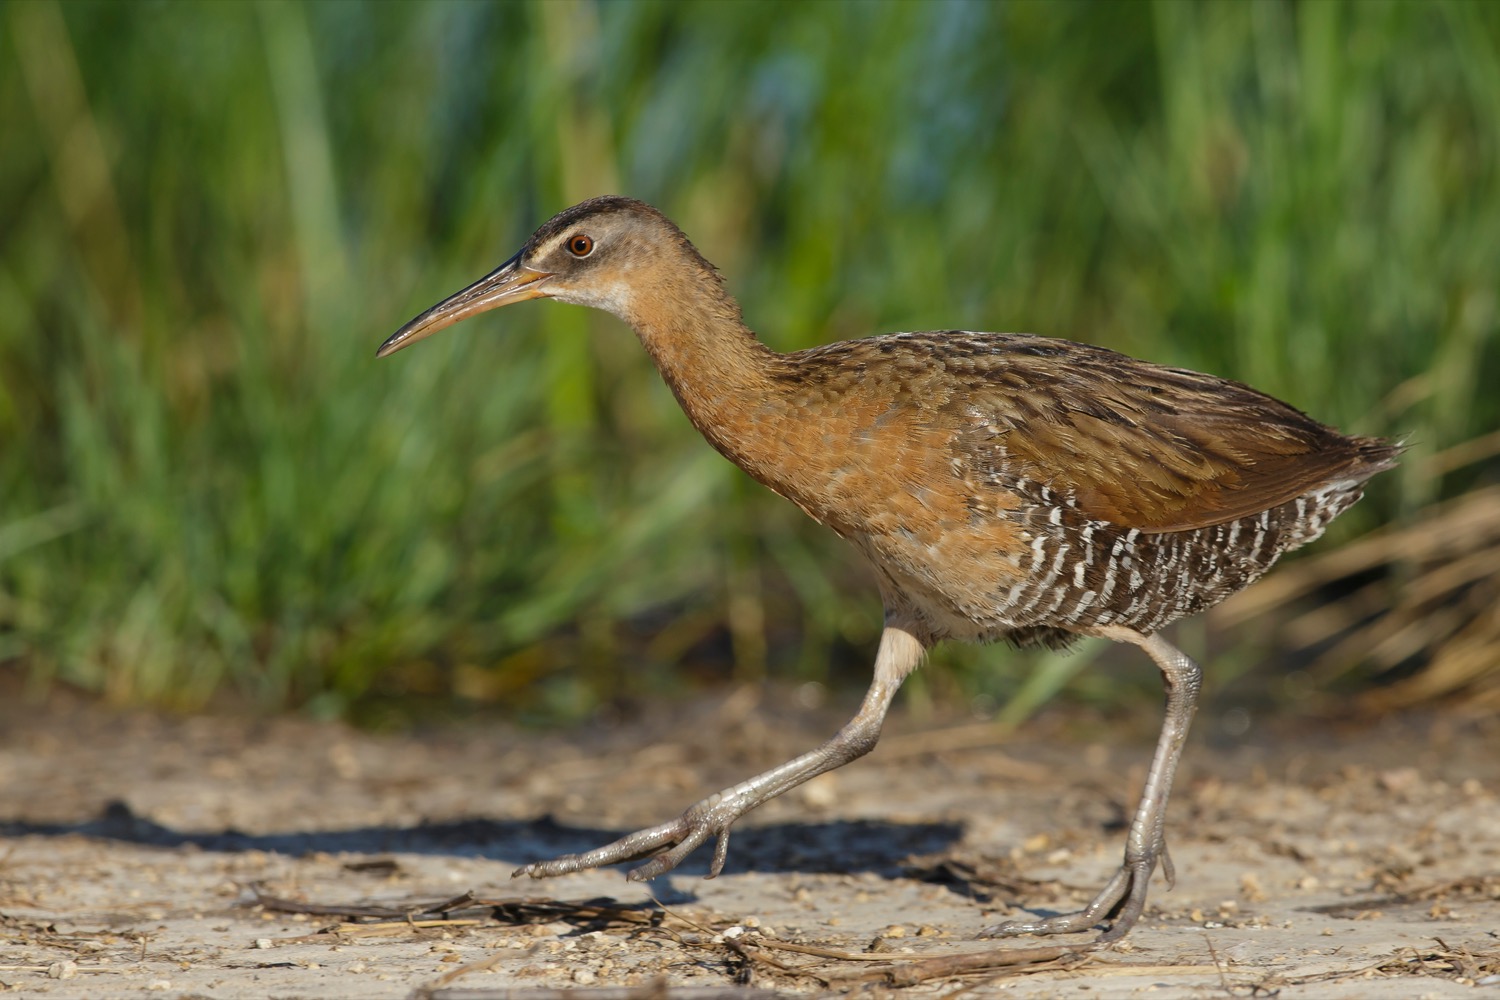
(721, 374)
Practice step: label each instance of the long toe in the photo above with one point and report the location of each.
(1124, 897)
(667, 860)
(640, 844)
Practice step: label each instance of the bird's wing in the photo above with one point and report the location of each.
(1137, 444)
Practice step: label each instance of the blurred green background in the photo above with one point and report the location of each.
(213, 213)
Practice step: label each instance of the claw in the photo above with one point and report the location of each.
(721, 854)
(658, 865)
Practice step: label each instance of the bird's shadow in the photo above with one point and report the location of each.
(834, 847)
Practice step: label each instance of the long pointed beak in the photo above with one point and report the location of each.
(508, 283)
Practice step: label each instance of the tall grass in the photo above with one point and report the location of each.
(213, 213)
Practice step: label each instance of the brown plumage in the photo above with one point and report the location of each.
(1003, 486)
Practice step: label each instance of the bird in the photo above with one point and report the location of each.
(1003, 486)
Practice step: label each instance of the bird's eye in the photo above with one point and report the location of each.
(580, 245)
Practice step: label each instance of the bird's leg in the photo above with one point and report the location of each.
(900, 653)
(1124, 898)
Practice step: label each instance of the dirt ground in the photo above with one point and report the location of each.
(225, 857)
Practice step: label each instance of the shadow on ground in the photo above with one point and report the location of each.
(841, 847)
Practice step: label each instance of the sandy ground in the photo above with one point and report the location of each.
(144, 854)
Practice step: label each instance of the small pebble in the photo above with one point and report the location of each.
(821, 792)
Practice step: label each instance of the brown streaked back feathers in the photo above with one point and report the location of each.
(1129, 442)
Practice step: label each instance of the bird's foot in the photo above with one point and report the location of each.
(675, 840)
(1121, 902)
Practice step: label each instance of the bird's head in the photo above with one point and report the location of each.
(594, 254)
